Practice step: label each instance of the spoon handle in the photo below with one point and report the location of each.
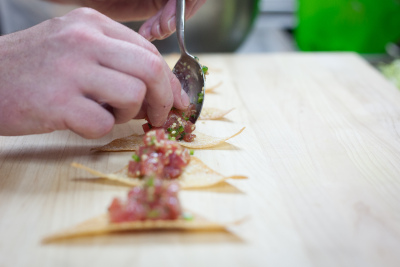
(180, 25)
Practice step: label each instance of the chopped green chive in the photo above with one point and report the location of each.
(200, 98)
(181, 129)
(153, 140)
(204, 69)
(150, 181)
(187, 216)
(135, 157)
(153, 214)
(191, 152)
(182, 136)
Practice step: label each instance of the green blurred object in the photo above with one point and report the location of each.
(363, 26)
(391, 71)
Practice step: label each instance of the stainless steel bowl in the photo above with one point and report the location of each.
(219, 26)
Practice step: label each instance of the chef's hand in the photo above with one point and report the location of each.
(56, 75)
(160, 14)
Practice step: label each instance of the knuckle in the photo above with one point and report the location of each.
(85, 12)
(134, 95)
(74, 37)
(79, 36)
(156, 67)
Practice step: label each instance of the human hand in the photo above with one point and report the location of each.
(159, 14)
(56, 75)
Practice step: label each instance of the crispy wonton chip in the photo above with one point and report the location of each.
(132, 142)
(101, 225)
(213, 113)
(205, 141)
(128, 143)
(196, 175)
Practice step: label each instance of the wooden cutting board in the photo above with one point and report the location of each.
(321, 149)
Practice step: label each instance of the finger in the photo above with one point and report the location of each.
(146, 30)
(124, 93)
(111, 28)
(146, 66)
(181, 100)
(163, 24)
(118, 31)
(87, 118)
(142, 112)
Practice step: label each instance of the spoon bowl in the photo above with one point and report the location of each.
(188, 70)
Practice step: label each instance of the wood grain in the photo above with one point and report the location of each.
(321, 149)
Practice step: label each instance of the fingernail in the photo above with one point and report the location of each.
(158, 31)
(170, 21)
(146, 33)
(185, 98)
(164, 36)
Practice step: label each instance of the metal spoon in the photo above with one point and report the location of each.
(188, 70)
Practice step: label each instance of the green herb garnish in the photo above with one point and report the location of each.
(150, 181)
(184, 117)
(191, 152)
(204, 69)
(135, 157)
(187, 216)
(153, 214)
(200, 98)
(153, 140)
(182, 136)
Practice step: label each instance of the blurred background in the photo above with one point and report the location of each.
(370, 28)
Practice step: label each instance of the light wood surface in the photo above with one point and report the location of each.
(321, 149)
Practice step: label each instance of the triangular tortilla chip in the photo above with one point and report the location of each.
(206, 141)
(132, 142)
(128, 143)
(196, 175)
(213, 113)
(101, 225)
